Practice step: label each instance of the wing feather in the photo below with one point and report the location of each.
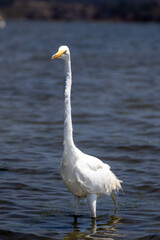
(93, 175)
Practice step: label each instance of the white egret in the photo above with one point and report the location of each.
(83, 175)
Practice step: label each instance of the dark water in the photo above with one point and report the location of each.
(116, 117)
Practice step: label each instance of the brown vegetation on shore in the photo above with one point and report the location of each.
(119, 10)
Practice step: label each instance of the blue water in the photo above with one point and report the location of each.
(116, 117)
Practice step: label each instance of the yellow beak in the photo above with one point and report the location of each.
(57, 55)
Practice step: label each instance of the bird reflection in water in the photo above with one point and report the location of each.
(97, 230)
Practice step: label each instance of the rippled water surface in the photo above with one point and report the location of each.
(116, 117)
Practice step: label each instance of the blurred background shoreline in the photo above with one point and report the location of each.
(84, 10)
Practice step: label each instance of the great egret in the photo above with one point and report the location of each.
(83, 175)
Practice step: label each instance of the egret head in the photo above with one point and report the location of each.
(63, 52)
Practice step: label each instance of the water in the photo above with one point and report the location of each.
(116, 112)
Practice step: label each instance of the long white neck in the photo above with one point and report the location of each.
(68, 132)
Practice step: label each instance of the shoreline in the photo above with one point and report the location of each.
(52, 11)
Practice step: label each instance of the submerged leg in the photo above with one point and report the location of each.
(113, 198)
(76, 205)
(91, 198)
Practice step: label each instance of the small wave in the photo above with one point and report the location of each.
(8, 235)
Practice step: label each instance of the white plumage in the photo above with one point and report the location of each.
(83, 175)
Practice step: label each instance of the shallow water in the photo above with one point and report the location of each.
(116, 117)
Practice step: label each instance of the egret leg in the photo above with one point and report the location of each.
(91, 198)
(76, 205)
(113, 198)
